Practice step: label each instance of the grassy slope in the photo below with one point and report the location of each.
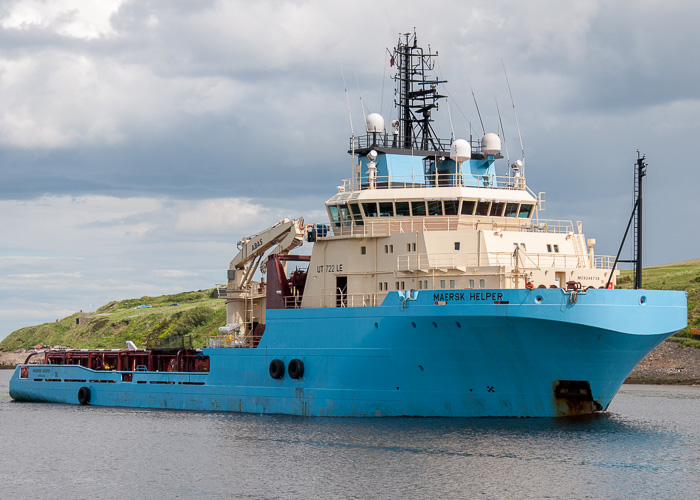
(197, 315)
(680, 276)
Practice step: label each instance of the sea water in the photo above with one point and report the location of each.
(647, 445)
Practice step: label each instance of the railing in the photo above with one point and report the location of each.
(461, 261)
(334, 299)
(386, 140)
(384, 226)
(435, 180)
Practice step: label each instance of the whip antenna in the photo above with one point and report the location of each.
(503, 131)
(347, 99)
(522, 149)
(477, 106)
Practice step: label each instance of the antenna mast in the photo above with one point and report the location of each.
(417, 94)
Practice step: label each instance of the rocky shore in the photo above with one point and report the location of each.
(669, 363)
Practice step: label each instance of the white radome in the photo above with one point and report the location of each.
(460, 150)
(491, 144)
(375, 122)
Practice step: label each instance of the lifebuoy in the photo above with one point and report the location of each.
(277, 368)
(296, 368)
(84, 396)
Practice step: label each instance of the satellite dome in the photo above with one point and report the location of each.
(491, 144)
(460, 150)
(375, 123)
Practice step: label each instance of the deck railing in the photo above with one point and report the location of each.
(381, 226)
(422, 180)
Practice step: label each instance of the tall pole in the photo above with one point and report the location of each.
(641, 172)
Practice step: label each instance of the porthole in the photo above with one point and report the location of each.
(538, 299)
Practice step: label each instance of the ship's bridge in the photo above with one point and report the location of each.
(416, 207)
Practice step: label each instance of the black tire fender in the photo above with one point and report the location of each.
(277, 368)
(84, 395)
(296, 368)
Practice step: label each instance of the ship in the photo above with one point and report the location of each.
(434, 289)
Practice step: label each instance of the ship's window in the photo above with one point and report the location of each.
(457, 245)
(414, 246)
(435, 207)
(442, 283)
(356, 214)
(380, 286)
(418, 208)
(386, 209)
(397, 285)
(522, 245)
(496, 209)
(482, 283)
(549, 248)
(391, 248)
(363, 250)
(452, 283)
(471, 283)
(556, 248)
(408, 245)
(345, 215)
(386, 248)
(425, 284)
(335, 216)
(402, 209)
(482, 208)
(511, 210)
(515, 245)
(386, 286)
(468, 207)
(451, 207)
(403, 285)
(420, 284)
(370, 209)
(525, 211)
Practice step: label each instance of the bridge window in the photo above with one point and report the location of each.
(356, 214)
(511, 210)
(386, 209)
(418, 208)
(549, 248)
(525, 211)
(335, 216)
(370, 209)
(345, 215)
(468, 207)
(434, 207)
(402, 209)
(451, 207)
(556, 248)
(482, 208)
(496, 209)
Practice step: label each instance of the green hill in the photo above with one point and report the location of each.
(171, 319)
(679, 276)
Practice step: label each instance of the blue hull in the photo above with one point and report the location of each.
(462, 353)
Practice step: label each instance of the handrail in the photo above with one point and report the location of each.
(384, 226)
(461, 261)
(435, 180)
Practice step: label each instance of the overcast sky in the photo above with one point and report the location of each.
(140, 140)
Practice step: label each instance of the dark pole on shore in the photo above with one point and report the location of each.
(641, 172)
